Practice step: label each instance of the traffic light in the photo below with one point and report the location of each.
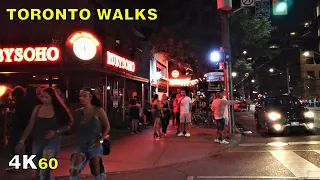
(280, 7)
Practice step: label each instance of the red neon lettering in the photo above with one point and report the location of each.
(120, 62)
(18, 57)
(8, 52)
(29, 54)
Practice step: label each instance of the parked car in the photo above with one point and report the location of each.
(279, 113)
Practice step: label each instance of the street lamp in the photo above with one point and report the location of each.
(252, 80)
(244, 52)
(306, 54)
(215, 56)
(271, 70)
(234, 74)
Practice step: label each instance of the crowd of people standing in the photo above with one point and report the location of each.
(181, 110)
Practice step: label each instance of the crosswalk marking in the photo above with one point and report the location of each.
(296, 164)
(240, 177)
(288, 143)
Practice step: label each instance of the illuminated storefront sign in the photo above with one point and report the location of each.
(179, 82)
(84, 45)
(175, 74)
(29, 54)
(120, 62)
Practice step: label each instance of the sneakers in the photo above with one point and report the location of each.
(224, 142)
(182, 134)
(221, 142)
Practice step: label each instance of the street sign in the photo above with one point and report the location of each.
(262, 8)
(246, 3)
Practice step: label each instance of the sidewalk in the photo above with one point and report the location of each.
(142, 151)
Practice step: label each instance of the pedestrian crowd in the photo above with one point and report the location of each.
(40, 117)
(182, 114)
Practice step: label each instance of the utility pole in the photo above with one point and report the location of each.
(288, 79)
(225, 6)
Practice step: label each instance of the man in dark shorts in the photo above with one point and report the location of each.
(218, 107)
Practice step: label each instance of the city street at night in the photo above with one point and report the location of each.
(258, 156)
(160, 89)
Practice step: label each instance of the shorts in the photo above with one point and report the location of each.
(221, 123)
(185, 118)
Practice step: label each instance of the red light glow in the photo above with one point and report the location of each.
(120, 62)
(78, 35)
(29, 54)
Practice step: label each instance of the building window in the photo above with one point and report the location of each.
(318, 11)
(310, 75)
(309, 60)
(319, 32)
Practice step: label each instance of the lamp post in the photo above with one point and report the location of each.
(225, 6)
(287, 76)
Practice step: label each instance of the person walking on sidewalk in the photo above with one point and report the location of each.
(176, 110)
(165, 108)
(218, 107)
(91, 126)
(48, 122)
(185, 103)
(156, 110)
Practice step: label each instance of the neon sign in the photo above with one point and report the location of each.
(179, 82)
(120, 62)
(83, 35)
(29, 54)
(175, 74)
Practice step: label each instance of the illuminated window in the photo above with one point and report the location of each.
(319, 32)
(318, 11)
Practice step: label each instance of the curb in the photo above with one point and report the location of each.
(174, 164)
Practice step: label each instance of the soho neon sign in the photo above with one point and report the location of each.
(120, 62)
(29, 54)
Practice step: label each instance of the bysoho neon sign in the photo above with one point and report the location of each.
(29, 54)
(120, 62)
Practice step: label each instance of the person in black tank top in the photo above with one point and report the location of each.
(48, 122)
(165, 108)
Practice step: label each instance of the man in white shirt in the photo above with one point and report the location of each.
(185, 104)
(219, 107)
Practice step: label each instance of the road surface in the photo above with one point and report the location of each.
(259, 156)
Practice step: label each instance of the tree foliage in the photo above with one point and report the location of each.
(187, 30)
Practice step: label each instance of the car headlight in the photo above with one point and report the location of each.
(273, 116)
(309, 114)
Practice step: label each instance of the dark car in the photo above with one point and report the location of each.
(279, 113)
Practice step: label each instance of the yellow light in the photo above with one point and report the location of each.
(293, 33)
(310, 125)
(273, 116)
(309, 114)
(277, 127)
(2, 90)
(307, 53)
